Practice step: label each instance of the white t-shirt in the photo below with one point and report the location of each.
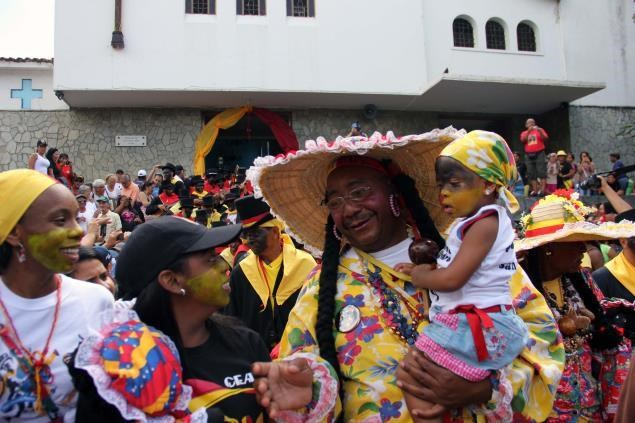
(42, 164)
(87, 218)
(33, 319)
(391, 256)
(116, 191)
(489, 285)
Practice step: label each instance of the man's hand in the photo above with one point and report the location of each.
(440, 386)
(113, 239)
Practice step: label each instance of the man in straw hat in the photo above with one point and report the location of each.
(553, 239)
(355, 319)
(266, 282)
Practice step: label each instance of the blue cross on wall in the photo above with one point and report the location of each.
(26, 94)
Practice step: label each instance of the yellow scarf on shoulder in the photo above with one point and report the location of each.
(297, 266)
(623, 270)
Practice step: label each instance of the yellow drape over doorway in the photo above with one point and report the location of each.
(207, 137)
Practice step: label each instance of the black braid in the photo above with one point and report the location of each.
(604, 334)
(408, 191)
(5, 256)
(326, 301)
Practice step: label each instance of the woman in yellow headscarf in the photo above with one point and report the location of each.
(473, 328)
(42, 312)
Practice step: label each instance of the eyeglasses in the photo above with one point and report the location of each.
(355, 195)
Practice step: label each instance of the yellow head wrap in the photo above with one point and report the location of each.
(488, 155)
(18, 190)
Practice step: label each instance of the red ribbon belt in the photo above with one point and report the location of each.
(478, 320)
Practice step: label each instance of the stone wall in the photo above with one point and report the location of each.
(595, 129)
(309, 124)
(88, 137)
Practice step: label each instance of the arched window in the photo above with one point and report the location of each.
(526, 37)
(463, 33)
(495, 35)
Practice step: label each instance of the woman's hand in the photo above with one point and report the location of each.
(440, 386)
(283, 385)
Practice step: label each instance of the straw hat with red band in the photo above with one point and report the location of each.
(560, 217)
(294, 185)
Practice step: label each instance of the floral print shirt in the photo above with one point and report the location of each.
(369, 354)
(590, 386)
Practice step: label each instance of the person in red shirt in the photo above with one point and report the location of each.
(66, 169)
(211, 186)
(168, 197)
(534, 138)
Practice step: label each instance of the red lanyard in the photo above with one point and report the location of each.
(36, 360)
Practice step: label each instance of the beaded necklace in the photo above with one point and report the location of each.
(390, 298)
(35, 364)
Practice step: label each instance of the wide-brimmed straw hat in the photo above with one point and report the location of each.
(560, 217)
(294, 185)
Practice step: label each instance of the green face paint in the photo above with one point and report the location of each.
(47, 248)
(207, 287)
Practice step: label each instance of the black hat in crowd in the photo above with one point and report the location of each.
(195, 180)
(167, 184)
(626, 215)
(178, 168)
(41, 143)
(169, 166)
(252, 211)
(187, 202)
(155, 245)
(208, 201)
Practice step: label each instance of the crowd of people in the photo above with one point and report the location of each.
(369, 279)
(542, 172)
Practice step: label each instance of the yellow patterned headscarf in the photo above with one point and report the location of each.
(488, 155)
(18, 190)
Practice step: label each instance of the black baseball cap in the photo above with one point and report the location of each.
(41, 143)
(156, 244)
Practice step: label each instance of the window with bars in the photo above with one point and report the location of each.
(495, 35)
(301, 8)
(200, 7)
(463, 33)
(251, 7)
(526, 37)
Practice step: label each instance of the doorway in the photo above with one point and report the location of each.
(242, 143)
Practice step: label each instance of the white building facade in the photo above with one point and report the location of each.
(320, 64)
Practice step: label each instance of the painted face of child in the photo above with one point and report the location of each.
(461, 191)
(210, 285)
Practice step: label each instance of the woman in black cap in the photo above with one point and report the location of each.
(171, 267)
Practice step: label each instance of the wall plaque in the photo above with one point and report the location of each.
(130, 141)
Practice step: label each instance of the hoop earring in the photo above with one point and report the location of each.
(182, 292)
(488, 191)
(336, 234)
(547, 253)
(21, 253)
(394, 208)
